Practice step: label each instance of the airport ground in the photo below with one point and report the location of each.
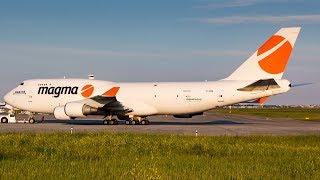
(217, 122)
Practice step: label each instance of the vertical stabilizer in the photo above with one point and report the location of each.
(271, 59)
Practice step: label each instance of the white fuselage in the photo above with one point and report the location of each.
(145, 99)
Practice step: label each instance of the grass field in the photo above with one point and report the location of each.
(137, 156)
(294, 113)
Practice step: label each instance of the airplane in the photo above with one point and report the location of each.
(258, 78)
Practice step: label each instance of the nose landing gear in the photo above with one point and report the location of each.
(135, 120)
(31, 119)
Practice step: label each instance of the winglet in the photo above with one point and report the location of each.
(111, 92)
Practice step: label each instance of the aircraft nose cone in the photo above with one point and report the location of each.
(7, 98)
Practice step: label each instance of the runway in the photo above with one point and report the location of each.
(208, 124)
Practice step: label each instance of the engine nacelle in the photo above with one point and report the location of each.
(74, 109)
(60, 114)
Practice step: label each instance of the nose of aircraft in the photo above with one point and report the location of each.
(7, 98)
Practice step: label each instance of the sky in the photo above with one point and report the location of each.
(152, 40)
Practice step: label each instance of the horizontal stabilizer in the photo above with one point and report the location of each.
(261, 85)
(301, 84)
(260, 101)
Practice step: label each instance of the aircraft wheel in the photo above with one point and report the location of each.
(113, 122)
(144, 122)
(133, 122)
(4, 120)
(110, 122)
(105, 122)
(127, 122)
(32, 121)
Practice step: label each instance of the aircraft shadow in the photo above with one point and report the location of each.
(77, 122)
(215, 122)
(99, 122)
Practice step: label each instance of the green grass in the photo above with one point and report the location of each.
(137, 156)
(293, 113)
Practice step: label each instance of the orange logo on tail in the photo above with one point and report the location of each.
(87, 90)
(276, 62)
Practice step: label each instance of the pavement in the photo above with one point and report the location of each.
(208, 124)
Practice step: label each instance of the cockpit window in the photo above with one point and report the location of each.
(22, 83)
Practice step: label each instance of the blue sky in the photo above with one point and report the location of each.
(149, 40)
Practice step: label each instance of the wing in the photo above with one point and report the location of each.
(109, 102)
(105, 104)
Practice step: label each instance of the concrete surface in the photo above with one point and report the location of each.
(209, 124)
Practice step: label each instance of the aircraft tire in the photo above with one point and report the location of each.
(32, 121)
(113, 122)
(105, 122)
(144, 122)
(134, 122)
(127, 122)
(4, 120)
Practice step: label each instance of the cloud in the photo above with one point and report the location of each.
(229, 4)
(296, 19)
(237, 3)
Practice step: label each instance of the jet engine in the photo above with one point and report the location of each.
(75, 109)
(60, 114)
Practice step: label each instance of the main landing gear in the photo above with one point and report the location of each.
(110, 121)
(137, 121)
(129, 121)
